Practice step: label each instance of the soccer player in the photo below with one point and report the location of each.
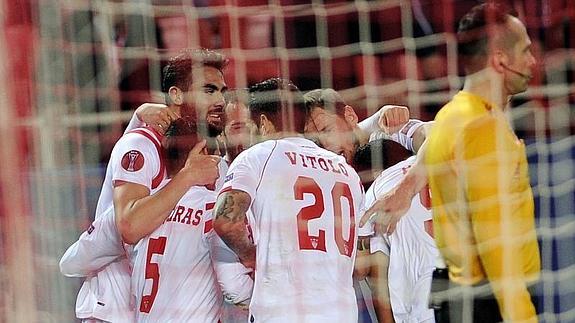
(239, 129)
(74, 262)
(135, 172)
(173, 278)
(482, 202)
(238, 135)
(334, 124)
(410, 251)
(304, 201)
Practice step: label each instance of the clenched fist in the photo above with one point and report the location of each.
(393, 118)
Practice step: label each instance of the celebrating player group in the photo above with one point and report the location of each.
(230, 196)
(264, 204)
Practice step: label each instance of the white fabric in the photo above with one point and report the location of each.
(178, 253)
(233, 277)
(98, 246)
(404, 136)
(371, 123)
(294, 285)
(411, 250)
(105, 294)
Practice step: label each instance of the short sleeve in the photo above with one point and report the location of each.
(245, 172)
(135, 159)
(405, 135)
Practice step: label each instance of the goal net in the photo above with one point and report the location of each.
(73, 72)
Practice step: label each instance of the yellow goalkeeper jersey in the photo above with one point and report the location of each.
(483, 209)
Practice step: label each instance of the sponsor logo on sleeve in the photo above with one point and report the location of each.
(133, 161)
(408, 126)
(229, 177)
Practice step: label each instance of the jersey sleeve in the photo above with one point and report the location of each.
(247, 169)
(134, 123)
(97, 247)
(370, 124)
(233, 277)
(404, 136)
(135, 159)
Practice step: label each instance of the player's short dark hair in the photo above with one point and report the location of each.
(327, 99)
(285, 112)
(473, 32)
(377, 156)
(178, 71)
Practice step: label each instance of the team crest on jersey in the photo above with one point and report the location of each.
(133, 161)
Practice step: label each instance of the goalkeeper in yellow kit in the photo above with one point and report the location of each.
(477, 169)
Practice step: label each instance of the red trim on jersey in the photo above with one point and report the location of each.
(208, 226)
(210, 206)
(118, 182)
(266, 164)
(155, 138)
(225, 189)
(428, 226)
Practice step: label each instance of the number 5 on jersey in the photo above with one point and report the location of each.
(155, 246)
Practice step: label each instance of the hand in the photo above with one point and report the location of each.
(393, 118)
(156, 115)
(387, 211)
(201, 168)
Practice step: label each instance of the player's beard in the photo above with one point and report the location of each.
(214, 127)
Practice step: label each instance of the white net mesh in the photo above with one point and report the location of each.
(84, 66)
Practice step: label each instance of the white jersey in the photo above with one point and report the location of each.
(105, 294)
(173, 278)
(411, 249)
(305, 203)
(404, 136)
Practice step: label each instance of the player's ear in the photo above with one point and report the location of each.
(266, 126)
(176, 95)
(499, 60)
(350, 115)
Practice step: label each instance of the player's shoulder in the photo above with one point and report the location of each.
(141, 137)
(256, 151)
(463, 109)
(397, 170)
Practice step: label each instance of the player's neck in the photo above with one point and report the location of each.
(175, 108)
(488, 85)
(281, 135)
(361, 136)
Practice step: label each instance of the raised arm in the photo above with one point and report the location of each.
(389, 119)
(156, 115)
(229, 224)
(390, 207)
(138, 213)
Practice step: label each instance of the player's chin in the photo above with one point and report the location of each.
(216, 125)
